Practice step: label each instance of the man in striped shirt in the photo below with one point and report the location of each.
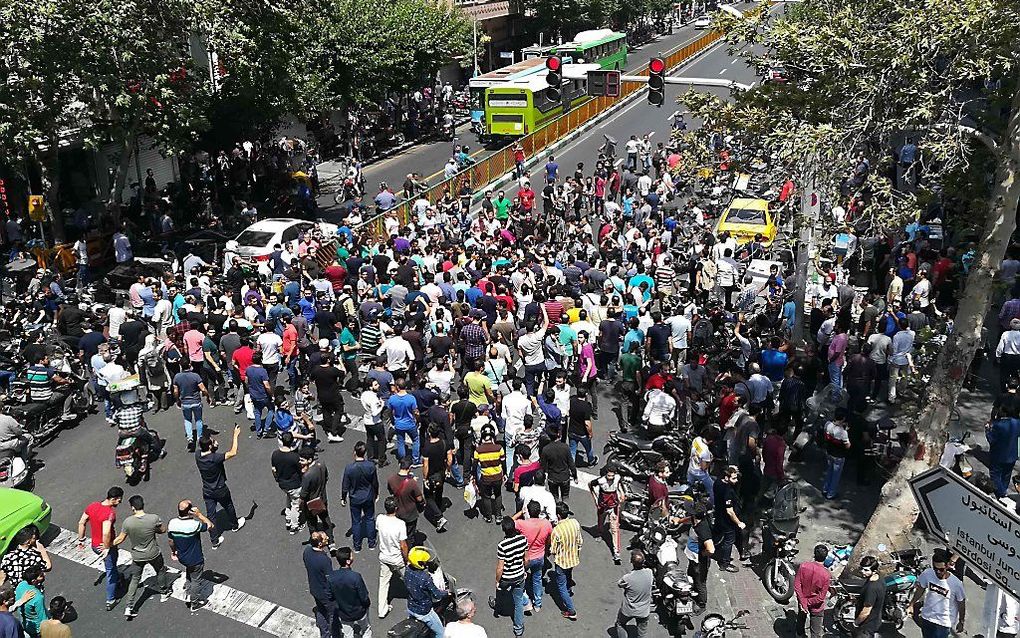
(565, 548)
(185, 535)
(510, 553)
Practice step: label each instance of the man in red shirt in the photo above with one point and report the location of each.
(239, 362)
(811, 584)
(289, 351)
(537, 530)
(101, 516)
(728, 403)
(527, 197)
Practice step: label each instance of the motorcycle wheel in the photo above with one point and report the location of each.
(839, 615)
(779, 581)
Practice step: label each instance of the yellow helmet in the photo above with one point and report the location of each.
(419, 557)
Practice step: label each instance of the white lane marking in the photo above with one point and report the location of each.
(721, 71)
(223, 600)
(735, 60)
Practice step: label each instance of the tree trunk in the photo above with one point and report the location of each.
(897, 510)
(49, 171)
(127, 147)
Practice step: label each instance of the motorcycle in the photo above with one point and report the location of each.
(898, 588)
(43, 419)
(635, 513)
(672, 589)
(446, 607)
(635, 457)
(715, 625)
(15, 464)
(779, 542)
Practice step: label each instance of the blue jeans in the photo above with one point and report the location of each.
(6, 376)
(517, 592)
(1000, 473)
(833, 471)
(562, 577)
(931, 630)
(535, 572)
(363, 514)
(706, 480)
(836, 379)
(263, 426)
(457, 471)
(292, 373)
(415, 444)
(112, 575)
(432, 620)
(586, 442)
(192, 415)
(532, 377)
(325, 617)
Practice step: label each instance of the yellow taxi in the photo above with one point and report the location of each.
(744, 218)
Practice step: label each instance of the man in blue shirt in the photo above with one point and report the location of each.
(185, 536)
(349, 594)
(1003, 439)
(774, 360)
(422, 591)
(405, 421)
(261, 395)
(361, 485)
(551, 168)
(319, 567)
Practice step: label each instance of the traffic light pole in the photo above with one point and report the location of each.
(642, 79)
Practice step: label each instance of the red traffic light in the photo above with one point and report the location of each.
(553, 63)
(656, 65)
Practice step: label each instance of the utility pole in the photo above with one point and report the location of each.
(476, 47)
(809, 209)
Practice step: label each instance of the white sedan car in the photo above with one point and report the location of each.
(255, 243)
(703, 22)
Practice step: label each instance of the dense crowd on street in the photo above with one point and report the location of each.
(476, 352)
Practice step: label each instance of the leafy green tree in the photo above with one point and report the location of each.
(862, 76)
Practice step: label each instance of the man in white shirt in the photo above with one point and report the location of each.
(465, 626)
(516, 406)
(945, 603)
(680, 333)
(391, 535)
(398, 353)
(538, 492)
(270, 344)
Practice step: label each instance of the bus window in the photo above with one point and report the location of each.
(477, 98)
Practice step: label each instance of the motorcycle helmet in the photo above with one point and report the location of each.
(488, 432)
(419, 557)
(712, 622)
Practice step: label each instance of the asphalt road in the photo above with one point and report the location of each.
(428, 159)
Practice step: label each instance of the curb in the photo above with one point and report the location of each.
(593, 123)
(396, 149)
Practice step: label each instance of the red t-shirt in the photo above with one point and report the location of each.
(727, 406)
(657, 490)
(522, 470)
(99, 514)
(537, 531)
(242, 357)
(527, 199)
(554, 310)
(336, 276)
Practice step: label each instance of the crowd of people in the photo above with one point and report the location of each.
(476, 350)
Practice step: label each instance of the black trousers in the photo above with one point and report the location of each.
(560, 491)
(330, 417)
(698, 571)
(375, 436)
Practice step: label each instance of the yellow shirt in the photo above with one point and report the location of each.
(565, 543)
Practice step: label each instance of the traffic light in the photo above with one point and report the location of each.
(554, 78)
(656, 81)
(604, 83)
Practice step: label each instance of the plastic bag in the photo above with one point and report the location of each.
(470, 495)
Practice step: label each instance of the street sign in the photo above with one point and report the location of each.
(507, 54)
(977, 527)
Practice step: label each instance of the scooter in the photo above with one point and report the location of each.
(716, 625)
(673, 590)
(898, 588)
(779, 543)
(15, 468)
(445, 608)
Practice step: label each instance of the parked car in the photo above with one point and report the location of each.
(19, 509)
(702, 22)
(255, 243)
(119, 279)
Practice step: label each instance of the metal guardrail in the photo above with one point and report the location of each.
(502, 161)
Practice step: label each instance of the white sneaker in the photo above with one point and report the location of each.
(240, 523)
(332, 438)
(385, 611)
(164, 597)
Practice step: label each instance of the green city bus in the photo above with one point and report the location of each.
(518, 107)
(604, 47)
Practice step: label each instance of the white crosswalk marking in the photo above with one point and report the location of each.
(223, 600)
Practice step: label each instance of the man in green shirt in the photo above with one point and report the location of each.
(142, 529)
(349, 346)
(630, 384)
(502, 207)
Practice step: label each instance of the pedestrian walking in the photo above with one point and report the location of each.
(410, 500)
(184, 534)
(837, 443)
(188, 392)
(464, 626)
(870, 601)
(537, 531)
(511, 571)
(811, 585)
(318, 567)
(489, 457)
(210, 463)
(34, 612)
(314, 502)
(1003, 436)
(25, 551)
(142, 530)
(637, 597)
(558, 464)
(361, 487)
(944, 606)
(261, 392)
(54, 627)
(607, 495)
(391, 534)
(565, 552)
(728, 523)
(286, 465)
(101, 517)
(351, 596)
(699, 551)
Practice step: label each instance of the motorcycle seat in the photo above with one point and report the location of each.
(886, 424)
(854, 584)
(28, 409)
(634, 441)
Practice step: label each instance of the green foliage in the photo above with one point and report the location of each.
(863, 75)
(352, 51)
